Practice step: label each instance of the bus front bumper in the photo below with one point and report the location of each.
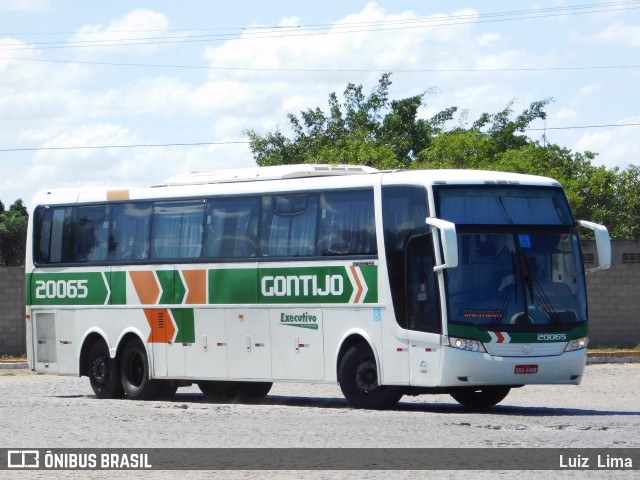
(465, 368)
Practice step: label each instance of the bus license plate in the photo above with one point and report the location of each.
(526, 369)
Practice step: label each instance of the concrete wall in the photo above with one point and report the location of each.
(12, 321)
(614, 295)
(614, 300)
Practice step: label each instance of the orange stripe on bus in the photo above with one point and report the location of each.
(357, 279)
(196, 281)
(146, 287)
(162, 329)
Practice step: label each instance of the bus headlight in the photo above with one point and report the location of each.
(577, 344)
(466, 344)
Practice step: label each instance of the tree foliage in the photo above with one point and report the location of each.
(375, 131)
(13, 234)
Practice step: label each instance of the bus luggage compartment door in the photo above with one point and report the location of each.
(248, 344)
(55, 346)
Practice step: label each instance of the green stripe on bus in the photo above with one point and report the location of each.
(236, 285)
(184, 319)
(336, 284)
(538, 336)
(73, 288)
(118, 283)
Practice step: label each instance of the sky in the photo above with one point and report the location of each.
(187, 79)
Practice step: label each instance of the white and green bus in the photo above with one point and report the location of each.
(389, 283)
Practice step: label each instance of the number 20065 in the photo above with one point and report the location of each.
(61, 289)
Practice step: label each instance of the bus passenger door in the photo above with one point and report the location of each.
(248, 344)
(423, 312)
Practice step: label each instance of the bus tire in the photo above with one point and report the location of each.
(219, 390)
(168, 389)
(358, 379)
(103, 372)
(135, 373)
(480, 398)
(251, 391)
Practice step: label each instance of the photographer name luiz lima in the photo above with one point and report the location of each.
(600, 461)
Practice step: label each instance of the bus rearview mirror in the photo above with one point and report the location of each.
(449, 241)
(603, 244)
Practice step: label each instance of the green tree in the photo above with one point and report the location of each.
(388, 134)
(13, 234)
(367, 130)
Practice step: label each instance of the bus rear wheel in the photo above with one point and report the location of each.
(103, 372)
(480, 398)
(358, 379)
(135, 373)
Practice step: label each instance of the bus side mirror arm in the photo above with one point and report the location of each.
(449, 242)
(603, 244)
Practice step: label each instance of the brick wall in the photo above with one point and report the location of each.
(12, 322)
(614, 300)
(614, 295)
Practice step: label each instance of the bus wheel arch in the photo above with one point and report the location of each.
(102, 370)
(358, 376)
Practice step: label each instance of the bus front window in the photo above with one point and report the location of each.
(517, 278)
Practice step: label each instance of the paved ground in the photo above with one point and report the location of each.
(41, 411)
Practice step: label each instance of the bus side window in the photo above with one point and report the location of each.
(347, 223)
(52, 235)
(232, 227)
(289, 225)
(90, 233)
(43, 219)
(177, 230)
(130, 232)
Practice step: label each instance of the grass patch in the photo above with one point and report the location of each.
(615, 349)
(13, 358)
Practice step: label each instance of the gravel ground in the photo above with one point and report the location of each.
(41, 411)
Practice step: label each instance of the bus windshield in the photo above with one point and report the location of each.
(520, 264)
(517, 279)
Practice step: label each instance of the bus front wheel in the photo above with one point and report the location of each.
(480, 398)
(358, 379)
(103, 372)
(135, 373)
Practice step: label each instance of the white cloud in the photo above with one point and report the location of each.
(617, 147)
(618, 34)
(486, 39)
(589, 89)
(56, 104)
(564, 116)
(135, 33)
(36, 6)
